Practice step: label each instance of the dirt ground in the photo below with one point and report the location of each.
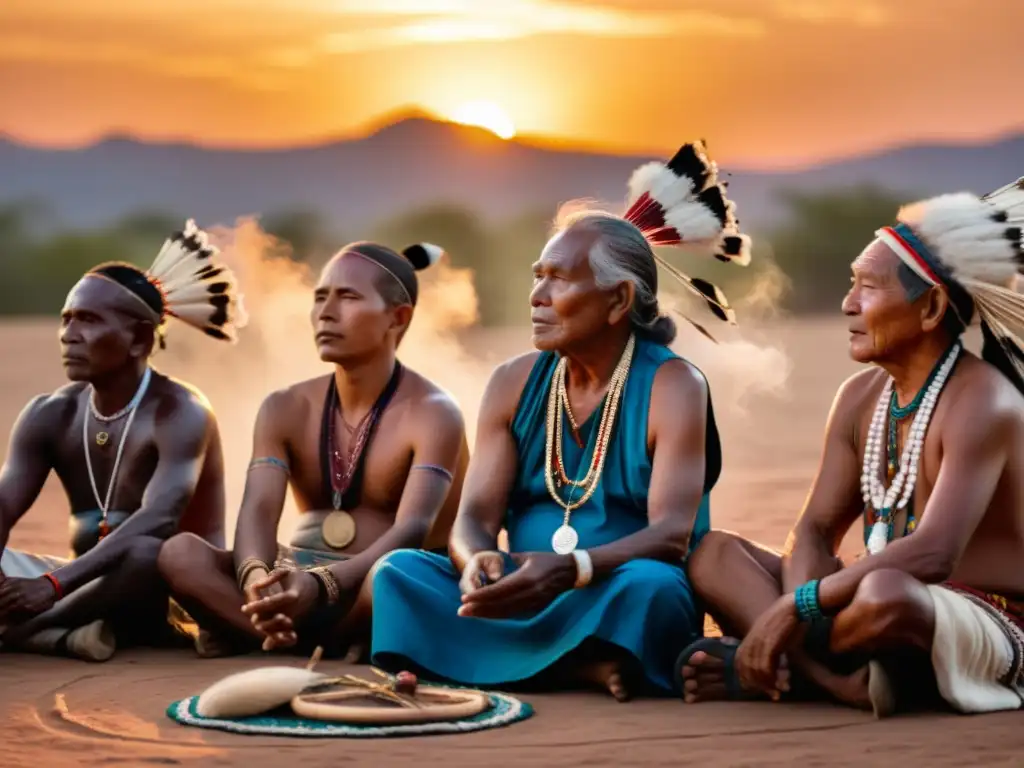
(772, 390)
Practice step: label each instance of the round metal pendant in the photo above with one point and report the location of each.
(565, 540)
(338, 529)
(102, 438)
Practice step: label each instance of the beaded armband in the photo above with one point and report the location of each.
(806, 597)
(327, 581)
(249, 565)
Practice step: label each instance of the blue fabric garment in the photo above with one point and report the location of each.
(645, 607)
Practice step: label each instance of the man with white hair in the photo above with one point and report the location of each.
(596, 453)
(926, 447)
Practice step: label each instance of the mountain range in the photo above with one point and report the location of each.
(416, 162)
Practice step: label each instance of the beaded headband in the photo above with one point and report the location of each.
(972, 248)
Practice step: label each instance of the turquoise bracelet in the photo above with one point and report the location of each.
(806, 597)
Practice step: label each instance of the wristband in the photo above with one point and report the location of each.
(806, 598)
(331, 590)
(584, 567)
(249, 565)
(57, 588)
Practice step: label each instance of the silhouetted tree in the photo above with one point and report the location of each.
(824, 233)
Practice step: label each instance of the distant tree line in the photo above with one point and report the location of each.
(812, 247)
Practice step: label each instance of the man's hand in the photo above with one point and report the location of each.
(275, 615)
(482, 568)
(540, 578)
(26, 597)
(252, 592)
(760, 653)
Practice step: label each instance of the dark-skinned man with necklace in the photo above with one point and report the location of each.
(597, 453)
(926, 448)
(138, 453)
(374, 455)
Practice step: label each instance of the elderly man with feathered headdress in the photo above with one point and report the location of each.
(137, 452)
(597, 453)
(926, 448)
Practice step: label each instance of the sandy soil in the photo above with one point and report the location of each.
(772, 391)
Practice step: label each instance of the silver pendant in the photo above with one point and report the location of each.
(565, 540)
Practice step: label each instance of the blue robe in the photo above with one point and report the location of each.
(645, 607)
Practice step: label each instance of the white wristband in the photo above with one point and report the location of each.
(584, 567)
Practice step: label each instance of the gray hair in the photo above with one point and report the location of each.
(621, 254)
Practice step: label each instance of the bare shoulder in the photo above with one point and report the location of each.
(431, 404)
(678, 383)
(506, 383)
(985, 399)
(182, 404)
(859, 392)
(291, 403)
(512, 374)
(47, 411)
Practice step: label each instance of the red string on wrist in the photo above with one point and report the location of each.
(56, 585)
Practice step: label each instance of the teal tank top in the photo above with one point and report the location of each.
(618, 507)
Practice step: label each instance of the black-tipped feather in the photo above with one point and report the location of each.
(687, 162)
(712, 197)
(714, 298)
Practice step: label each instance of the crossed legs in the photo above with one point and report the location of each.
(891, 614)
(202, 578)
(128, 603)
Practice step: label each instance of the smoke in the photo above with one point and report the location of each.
(741, 366)
(276, 348)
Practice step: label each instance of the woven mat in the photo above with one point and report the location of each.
(505, 710)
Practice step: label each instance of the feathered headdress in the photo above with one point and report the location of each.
(682, 203)
(186, 281)
(971, 247)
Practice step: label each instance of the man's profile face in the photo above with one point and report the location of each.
(882, 319)
(96, 336)
(566, 306)
(350, 319)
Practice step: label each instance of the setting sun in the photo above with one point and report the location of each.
(487, 115)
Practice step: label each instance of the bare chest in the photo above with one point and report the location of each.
(370, 473)
(105, 464)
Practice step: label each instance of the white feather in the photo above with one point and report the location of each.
(962, 233)
(256, 691)
(1010, 199)
(434, 252)
(694, 222)
(179, 270)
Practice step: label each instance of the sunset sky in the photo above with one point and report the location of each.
(767, 82)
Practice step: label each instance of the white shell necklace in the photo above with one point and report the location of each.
(885, 501)
(130, 409)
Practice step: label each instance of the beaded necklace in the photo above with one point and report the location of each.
(566, 538)
(881, 503)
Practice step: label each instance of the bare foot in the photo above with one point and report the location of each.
(211, 646)
(852, 690)
(607, 675)
(708, 675)
(355, 654)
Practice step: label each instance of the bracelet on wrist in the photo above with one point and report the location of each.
(247, 567)
(330, 590)
(58, 590)
(808, 608)
(584, 568)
